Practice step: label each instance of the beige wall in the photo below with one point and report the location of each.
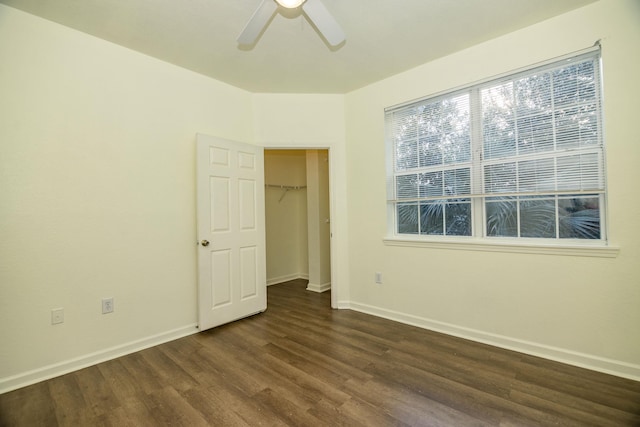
(318, 220)
(286, 215)
(583, 310)
(97, 194)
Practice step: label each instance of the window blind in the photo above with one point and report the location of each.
(542, 132)
(537, 132)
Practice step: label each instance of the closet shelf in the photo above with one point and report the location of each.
(286, 187)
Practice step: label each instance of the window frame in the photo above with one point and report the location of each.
(479, 238)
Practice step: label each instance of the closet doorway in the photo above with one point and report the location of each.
(297, 217)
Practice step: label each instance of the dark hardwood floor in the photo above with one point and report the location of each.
(301, 363)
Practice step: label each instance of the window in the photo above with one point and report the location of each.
(521, 157)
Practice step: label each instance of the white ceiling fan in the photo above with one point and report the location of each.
(313, 9)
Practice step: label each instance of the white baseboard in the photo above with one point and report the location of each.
(594, 363)
(346, 305)
(55, 370)
(319, 288)
(286, 278)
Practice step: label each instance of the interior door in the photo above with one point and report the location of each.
(231, 231)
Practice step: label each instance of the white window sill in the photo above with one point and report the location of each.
(599, 251)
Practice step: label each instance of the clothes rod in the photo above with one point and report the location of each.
(287, 187)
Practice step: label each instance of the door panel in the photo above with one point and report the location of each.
(231, 258)
(220, 278)
(248, 212)
(248, 261)
(220, 202)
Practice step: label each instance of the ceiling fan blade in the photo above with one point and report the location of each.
(258, 20)
(324, 21)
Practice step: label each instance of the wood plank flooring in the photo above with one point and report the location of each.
(302, 364)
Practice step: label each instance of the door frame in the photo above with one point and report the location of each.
(332, 209)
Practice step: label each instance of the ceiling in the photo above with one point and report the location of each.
(384, 37)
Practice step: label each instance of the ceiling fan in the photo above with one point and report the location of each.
(313, 9)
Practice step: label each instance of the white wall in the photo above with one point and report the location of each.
(318, 224)
(97, 183)
(582, 310)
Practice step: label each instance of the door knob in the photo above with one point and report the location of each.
(204, 243)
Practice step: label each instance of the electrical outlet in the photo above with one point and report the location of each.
(57, 316)
(107, 305)
(378, 277)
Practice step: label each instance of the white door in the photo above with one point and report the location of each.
(231, 231)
